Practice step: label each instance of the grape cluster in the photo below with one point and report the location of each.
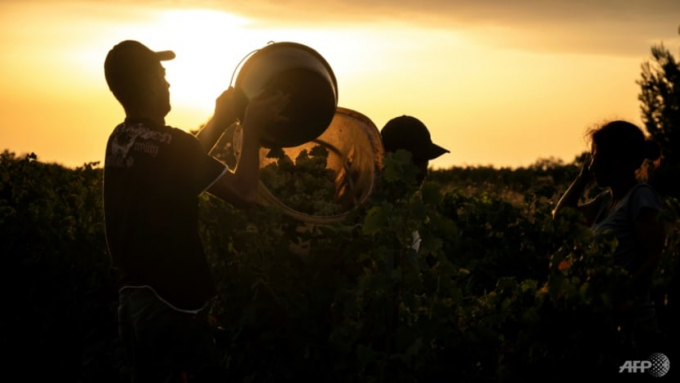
(305, 185)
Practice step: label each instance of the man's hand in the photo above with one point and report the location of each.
(240, 187)
(263, 110)
(229, 106)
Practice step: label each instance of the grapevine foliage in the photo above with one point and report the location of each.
(498, 290)
(306, 184)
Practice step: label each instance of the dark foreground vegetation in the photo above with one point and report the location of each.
(498, 292)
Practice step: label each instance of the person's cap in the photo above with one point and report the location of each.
(409, 133)
(129, 59)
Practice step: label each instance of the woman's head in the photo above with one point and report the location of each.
(620, 150)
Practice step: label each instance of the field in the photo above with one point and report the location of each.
(498, 292)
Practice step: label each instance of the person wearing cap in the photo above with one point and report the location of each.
(153, 176)
(411, 134)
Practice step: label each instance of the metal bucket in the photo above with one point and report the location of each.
(304, 74)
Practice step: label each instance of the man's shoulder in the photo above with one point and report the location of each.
(176, 133)
(139, 140)
(145, 130)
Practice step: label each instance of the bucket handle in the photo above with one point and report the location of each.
(240, 63)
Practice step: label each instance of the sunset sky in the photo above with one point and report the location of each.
(498, 82)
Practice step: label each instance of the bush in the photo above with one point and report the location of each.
(498, 290)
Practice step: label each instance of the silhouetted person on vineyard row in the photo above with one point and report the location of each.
(153, 176)
(410, 134)
(630, 209)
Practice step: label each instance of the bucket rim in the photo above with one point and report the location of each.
(241, 68)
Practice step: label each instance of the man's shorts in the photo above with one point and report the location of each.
(163, 343)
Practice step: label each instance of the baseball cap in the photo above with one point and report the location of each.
(130, 59)
(409, 133)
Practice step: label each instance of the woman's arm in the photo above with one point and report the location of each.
(571, 197)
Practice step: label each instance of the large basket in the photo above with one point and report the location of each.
(341, 180)
(354, 158)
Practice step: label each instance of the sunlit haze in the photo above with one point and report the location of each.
(497, 84)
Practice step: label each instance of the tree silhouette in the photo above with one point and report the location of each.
(660, 97)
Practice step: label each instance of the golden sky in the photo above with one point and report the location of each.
(498, 82)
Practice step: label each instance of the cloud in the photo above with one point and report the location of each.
(609, 27)
(512, 12)
(618, 27)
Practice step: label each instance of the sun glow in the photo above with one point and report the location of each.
(211, 45)
(208, 45)
(489, 95)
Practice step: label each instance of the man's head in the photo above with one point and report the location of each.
(136, 77)
(410, 134)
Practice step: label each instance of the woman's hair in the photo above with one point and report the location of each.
(625, 142)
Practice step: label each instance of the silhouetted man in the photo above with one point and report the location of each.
(153, 176)
(410, 134)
